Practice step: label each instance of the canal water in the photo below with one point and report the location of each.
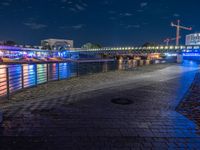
(17, 77)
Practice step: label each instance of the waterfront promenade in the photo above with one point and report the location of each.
(79, 113)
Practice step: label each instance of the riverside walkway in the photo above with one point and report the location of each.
(79, 113)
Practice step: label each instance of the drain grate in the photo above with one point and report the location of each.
(122, 101)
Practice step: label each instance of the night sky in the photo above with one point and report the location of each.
(108, 22)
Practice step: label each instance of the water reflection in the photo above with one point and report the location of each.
(147, 62)
(105, 67)
(121, 65)
(190, 63)
(130, 63)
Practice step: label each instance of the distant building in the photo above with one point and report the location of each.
(193, 39)
(57, 44)
(8, 43)
(2, 42)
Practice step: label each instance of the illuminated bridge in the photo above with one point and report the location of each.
(16, 52)
(142, 50)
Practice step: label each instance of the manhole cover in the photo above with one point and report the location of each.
(122, 101)
(43, 111)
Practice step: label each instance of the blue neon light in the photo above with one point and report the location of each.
(191, 54)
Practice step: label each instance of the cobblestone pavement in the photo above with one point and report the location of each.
(190, 106)
(85, 118)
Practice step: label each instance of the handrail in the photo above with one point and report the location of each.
(24, 77)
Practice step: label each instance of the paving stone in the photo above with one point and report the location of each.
(190, 106)
(91, 121)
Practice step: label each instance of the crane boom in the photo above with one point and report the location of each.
(178, 27)
(185, 28)
(181, 27)
(169, 40)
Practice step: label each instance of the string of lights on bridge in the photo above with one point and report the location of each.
(160, 48)
(184, 48)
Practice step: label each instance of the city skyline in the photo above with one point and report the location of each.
(108, 22)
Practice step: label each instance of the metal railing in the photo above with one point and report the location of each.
(14, 78)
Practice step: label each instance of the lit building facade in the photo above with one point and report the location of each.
(19, 52)
(57, 44)
(193, 39)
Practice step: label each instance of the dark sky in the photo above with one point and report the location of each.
(108, 22)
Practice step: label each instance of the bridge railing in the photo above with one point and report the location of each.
(183, 47)
(127, 48)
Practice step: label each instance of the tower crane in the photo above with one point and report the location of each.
(178, 28)
(169, 40)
